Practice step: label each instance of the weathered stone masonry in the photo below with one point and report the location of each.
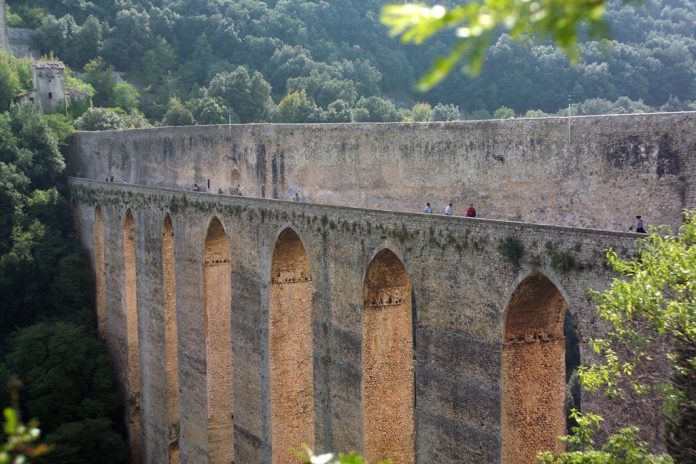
(613, 168)
(447, 273)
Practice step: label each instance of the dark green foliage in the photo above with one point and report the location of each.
(211, 110)
(339, 50)
(177, 114)
(46, 321)
(297, 107)
(65, 372)
(680, 426)
(512, 248)
(375, 109)
(247, 93)
(95, 119)
(89, 440)
(100, 76)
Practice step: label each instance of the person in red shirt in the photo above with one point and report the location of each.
(471, 211)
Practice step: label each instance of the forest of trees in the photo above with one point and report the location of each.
(206, 61)
(47, 331)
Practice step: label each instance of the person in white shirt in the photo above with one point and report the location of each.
(448, 210)
(428, 209)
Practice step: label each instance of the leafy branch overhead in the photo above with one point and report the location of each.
(477, 24)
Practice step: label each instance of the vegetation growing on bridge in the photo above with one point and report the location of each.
(512, 248)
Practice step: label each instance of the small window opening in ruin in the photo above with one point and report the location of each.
(208, 184)
(50, 95)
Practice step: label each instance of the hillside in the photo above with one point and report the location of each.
(339, 54)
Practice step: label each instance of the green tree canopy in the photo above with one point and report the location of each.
(442, 112)
(177, 114)
(95, 119)
(247, 93)
(376, 109)
(125, 96)
(421, 112)
(296, 107)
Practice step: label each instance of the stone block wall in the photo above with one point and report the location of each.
(611, 169)
(19, 42)
(461, 287)
(3, 26)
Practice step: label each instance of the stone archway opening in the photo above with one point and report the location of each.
(170, 338)
(387, 357)
(99, 271)
(218, 336)
(133, 355)
(533, 410)
(291, 348)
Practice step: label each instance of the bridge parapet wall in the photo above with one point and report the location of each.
(609, 169)
(462, 283)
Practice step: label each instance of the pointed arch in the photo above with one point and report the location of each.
(218, 336)
(387, 356)
(131, 303)
(533, 371)
(99, 270)
(291, 347)
(171, 357)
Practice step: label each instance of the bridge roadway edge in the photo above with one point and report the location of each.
(461, 286)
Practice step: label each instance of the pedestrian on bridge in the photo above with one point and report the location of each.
(640, 227)
(448, 210)
(471, 211)
(428, 209)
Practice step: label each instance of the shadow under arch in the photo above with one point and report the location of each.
(533, 405)
(387, 357)
(218, 339)
(131, 303)
(99, 270)
(171, 362)
(290, 347)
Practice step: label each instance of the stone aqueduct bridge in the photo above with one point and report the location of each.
(240, 327)
(607, 170)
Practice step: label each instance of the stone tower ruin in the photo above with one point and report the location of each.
(49, 85)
